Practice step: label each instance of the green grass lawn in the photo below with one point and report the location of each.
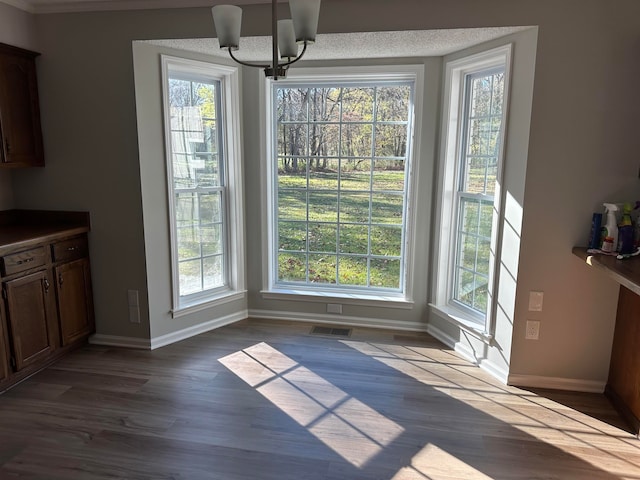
(334, 229)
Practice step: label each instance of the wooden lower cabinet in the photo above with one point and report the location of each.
(30, 318)
(75, 308)
(624, 370)
(4, 348)
(47, 305)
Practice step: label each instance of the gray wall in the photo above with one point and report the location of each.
(16, 28)
(583, 149)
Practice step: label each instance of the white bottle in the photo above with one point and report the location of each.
(610, 228)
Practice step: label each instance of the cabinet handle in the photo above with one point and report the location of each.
(60, 279)
(46, 286)
(72, 249)
(26, 260)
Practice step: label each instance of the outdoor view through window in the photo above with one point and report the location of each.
(482, 130)
(342, 163)
(198, 183)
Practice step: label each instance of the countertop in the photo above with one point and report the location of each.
(626, 271)
(23, 228)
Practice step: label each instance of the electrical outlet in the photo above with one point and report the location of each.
(334, 308)
(535, 301)
(134, 306)
(533, 330)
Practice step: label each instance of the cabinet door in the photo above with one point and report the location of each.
(75, 309)
(4, 347)
(30, 318)
(19, 111)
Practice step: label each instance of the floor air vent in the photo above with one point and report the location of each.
(339, 332)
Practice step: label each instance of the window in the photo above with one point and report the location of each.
(340, 184)
(201, 168)
(471, 175)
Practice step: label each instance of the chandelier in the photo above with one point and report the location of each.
(286, 35)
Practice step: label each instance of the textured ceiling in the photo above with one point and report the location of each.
(336, 46)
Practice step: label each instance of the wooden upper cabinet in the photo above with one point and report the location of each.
(20, 128)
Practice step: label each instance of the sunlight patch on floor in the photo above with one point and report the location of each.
(534, 416)
(434, 463)
(343, 423)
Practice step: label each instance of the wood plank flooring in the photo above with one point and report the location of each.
(267, 400)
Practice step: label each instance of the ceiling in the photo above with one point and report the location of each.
(417, 43)
(339, 46)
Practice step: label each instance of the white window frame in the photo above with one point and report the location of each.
(233, 203)
(273, 290)
(450, 156)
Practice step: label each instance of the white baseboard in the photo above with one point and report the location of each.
(116, 341)
(557, 383)
(189, 332)
(464, 350)
(533, 381)
(344, 320)
(161, 341)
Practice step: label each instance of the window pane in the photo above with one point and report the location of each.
(322, 237)
(292, 236)
(355, 175)
(391, 140)
(354, 239)
(483, 129)
(213, 272)
(386, 208)
(393, 104)
(292, 267)
(188, 242)
(325, 104)
(210, 207)
(357, 104)
(322, 268)
(197, 166)
(354, 207)
(323, 206)
(386, 241)
(292, 139)
(388, 175)
(292, 205)
(355, 140)
(211, 238)
(325, 140)
(323, 174)
(190, 276)
(352, 271)
(325, 184)
(465, 287)
(292, 105)
(385, 272)
(292, 172)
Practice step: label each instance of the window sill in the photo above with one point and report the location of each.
(462, 320)
(203, 304)
(379, 300)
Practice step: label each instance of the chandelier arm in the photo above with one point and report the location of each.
(247, 64)
(304, 49)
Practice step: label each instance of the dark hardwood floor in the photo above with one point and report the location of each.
(267, 400)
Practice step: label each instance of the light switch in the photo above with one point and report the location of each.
(535, 301)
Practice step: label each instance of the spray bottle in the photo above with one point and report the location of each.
(625, 231)
(610, 228)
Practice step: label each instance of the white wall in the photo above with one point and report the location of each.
(153, 179)
(583, 150)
